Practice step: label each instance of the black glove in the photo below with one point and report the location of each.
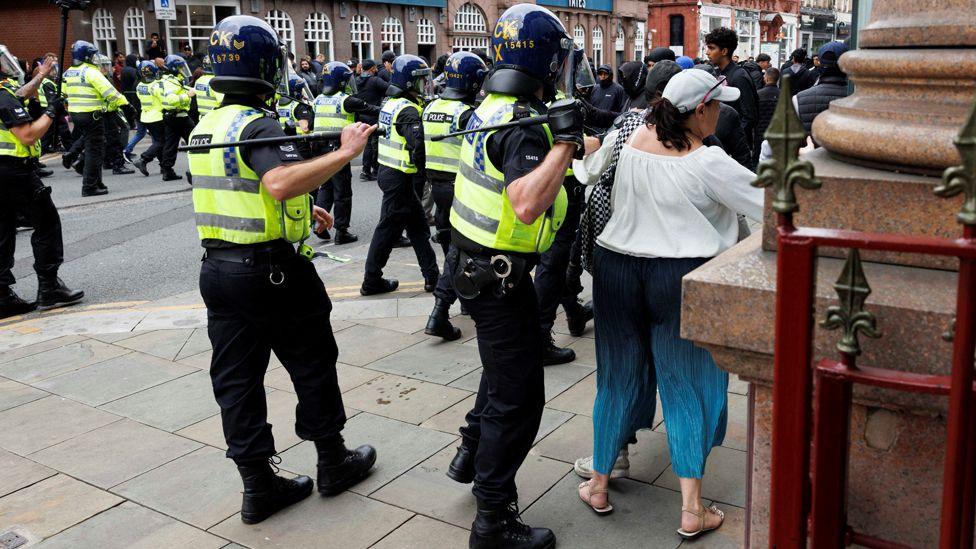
(566, 123)
(55, 105)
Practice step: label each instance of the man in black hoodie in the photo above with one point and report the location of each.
(609, 95)
(720, 44)
(129, 80)
(371, 89)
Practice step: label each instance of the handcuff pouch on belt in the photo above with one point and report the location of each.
(475, 274)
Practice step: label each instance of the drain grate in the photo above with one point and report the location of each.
(11, 540)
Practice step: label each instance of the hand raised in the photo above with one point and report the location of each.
(355, 136)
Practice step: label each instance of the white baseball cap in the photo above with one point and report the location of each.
(688, 89)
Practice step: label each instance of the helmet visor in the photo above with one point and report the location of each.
(287, 72)
(104, 63)
(9, 65)
(422, 82)
(302, 92)
(575, 76)
(583, 75)
(184, 70)
(566, 73)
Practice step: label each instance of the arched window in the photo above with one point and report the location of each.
(281, 23)
(134, 28)
(426, 33)
(318, 35)
(579, 36)
(619, 42)
(361, 35)
(103, 31)
(470, 18)
(391, 35)
(597, 46)
(639, 41)
(676, 29)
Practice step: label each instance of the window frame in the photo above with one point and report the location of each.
(318, 31)
(391, 34)
(103, 31)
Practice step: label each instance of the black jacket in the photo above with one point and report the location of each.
(372, 90)
(811, 102)
(609, 97)
(383, 73)
(768, 98)
(747, 104)
(802, 80)
(755, 72)
(728, 135)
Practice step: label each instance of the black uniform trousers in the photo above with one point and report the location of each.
(157, 131)
(401, 209)
(23, 193)
(442, 191)
(177, 127)
(116, 138)
(550, 274)
(248, 317)
(371, 154)
(507, 411)
(92, 129)
(337, 192)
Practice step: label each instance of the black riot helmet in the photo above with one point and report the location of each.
(248, 57)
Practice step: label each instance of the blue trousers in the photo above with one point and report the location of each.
(637, 313)
(140, 133)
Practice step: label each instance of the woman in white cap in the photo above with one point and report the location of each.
(674, 204)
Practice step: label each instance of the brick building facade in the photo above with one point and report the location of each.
(763, 26)
(611, 31)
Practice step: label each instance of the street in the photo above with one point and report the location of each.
(139, 241)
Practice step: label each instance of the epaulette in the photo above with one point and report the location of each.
(521, 110)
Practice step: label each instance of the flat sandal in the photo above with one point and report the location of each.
(701, 522)
(600, 511)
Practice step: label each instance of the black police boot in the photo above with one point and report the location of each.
(170, 175)
(340, 468)
(402, 242)
(345, 237)
(67, 160)
(44, 172)
(120, 169)
(52, 293)
(379, 286)
(367, 176)
(93, 191)
(12, 305)
(557, 355)
(79, 167)
(324, 235)
(578, 316)
(461, 468)
(503, 529)
(266, 493)
(439, 323)
(140, 165)
(430, 282)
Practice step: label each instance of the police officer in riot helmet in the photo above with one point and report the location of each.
(401, 178)
(509, 201)
(334, 109)
(464, 73)
(251, 208)
(176, 100)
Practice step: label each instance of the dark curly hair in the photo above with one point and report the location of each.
(723, 37)
(670, 125)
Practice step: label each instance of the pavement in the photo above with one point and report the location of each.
(110, 436)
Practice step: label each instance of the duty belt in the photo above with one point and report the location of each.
(501, 272)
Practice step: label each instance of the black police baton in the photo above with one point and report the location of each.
(520, 123)
(317, 136)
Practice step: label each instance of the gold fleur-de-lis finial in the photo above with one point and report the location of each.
(852, 289)
(785, 170)
(962, 178)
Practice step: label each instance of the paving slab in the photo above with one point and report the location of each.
(402, 398)
(60, 360)
(71, 322)
(197, 343)
(399, 447)
(27, 350)
(131, 526)
(724, 480)
(731, 535)
(350, 377)
(115, 453)
(281, 416)
(738, 425)
(433, 360)
(172, 405)
(570, 441)
(19, 472)
(52, 505)
(402, 324)
(643, 516)
(346, 521)
(116, 336)
(738, 386)
(557, 378)
(579, 398)
(363, 308)
(585, 349)
(161, 343)
(421, 532)
(114, 378)
(14, 394)
(452, 418)
(426, 489)
(362, 345)
(200, 360)
(201, 488)
(173, 318)
(46, 422)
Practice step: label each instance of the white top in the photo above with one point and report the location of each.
(672, 206)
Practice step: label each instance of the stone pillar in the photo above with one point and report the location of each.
(915, 81)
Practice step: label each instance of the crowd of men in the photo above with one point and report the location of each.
(502, 200)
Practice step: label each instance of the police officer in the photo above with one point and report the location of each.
(401, 178)
(509, 201)
(151, 114)
(335, 108)
(206, 99)
(464, 73)
(116, 127)
(175, 98)
(56, 138)
(22, 192)
(251, 204)
(90, 94)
